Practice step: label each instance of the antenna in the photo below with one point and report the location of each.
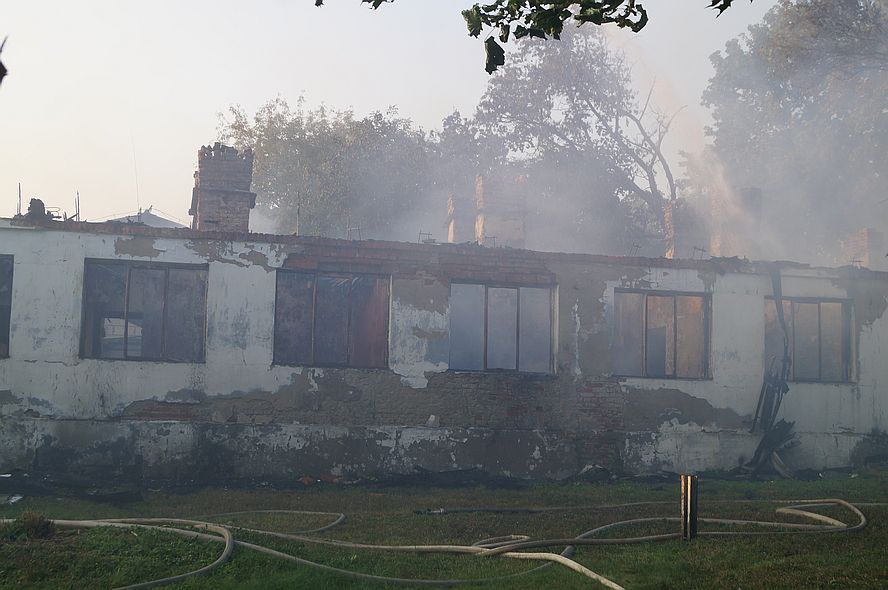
(18, 207)
(353, 231)
(77, 207)
(135, 170)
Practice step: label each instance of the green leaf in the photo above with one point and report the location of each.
(504, 33)
(495, 55)
(473, 20)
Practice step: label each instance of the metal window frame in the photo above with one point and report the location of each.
(707, 331)
(8, 334)
(314, 300)
(129, 266)
(517, 286)
(848, 360)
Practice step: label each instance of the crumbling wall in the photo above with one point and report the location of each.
(240, 413)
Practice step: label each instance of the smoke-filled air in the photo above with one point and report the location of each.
(364, 294)
(564, 138)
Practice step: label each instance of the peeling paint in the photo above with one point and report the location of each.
(240, 410)
(255, 258)
(649, 409)
(136, 246)
(578, 327)
(420, 342)
(217, 251)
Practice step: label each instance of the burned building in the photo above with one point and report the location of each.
(215, 354)
(496, 216)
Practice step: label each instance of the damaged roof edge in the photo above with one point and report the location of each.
(714, 264)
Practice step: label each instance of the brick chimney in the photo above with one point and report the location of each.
(460, 220)
(865, 247)
(501, 212)
(221, 199)
(686, 235)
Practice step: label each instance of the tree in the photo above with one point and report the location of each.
(321, 171)
(535, 18)
(848, 37)
(561, 116)
(571, 121)
(799, 111)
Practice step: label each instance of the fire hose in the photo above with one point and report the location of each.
(509, 546)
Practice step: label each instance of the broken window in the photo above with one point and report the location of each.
(535, 330)
(144, 311)
(467, 326)
(819, 338)
(186, 314)
(5, 303)
(660, 335)
(628, 345)
(500, 328)
(331, 319)
(775, 337)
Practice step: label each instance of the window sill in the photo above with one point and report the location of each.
(135, 360)
(523, 374)
(710, 378)
(321, 366)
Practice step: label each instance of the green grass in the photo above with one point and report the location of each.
(104, 558)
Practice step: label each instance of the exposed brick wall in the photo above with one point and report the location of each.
(501, 212)
(600, 405)
(865, 247)
(223, 210)
(686, 236)
(460, 220)
(221, 199)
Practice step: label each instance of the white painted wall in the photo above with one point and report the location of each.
(45, 372)
(824, 413)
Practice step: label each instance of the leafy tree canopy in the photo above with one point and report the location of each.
(505, 19)
(589, 147)
(322, 171)
(799, 111)
(563, 117)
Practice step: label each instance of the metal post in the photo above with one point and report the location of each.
(688, 507)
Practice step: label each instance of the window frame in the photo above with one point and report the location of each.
(707, 332)
(150, 265)
(517, 370)
(8, 335)
(314, 300)
(848, 349)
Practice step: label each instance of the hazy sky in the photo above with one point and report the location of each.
(114, 97)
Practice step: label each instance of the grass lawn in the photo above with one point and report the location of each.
(104, 558)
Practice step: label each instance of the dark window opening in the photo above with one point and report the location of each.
(663, 335)
(5, 303)
(500, 328)
(144, 311)
(331, 320)
(819, 336)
